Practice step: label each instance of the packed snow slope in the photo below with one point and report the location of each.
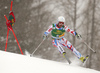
(15, 63)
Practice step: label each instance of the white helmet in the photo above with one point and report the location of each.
(61, 19)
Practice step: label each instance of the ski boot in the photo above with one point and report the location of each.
(65, 56)
(64, 53)
(83, 59)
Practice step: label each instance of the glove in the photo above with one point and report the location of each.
(78, 35)
(44, 37)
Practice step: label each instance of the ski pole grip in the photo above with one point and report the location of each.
(11, 6)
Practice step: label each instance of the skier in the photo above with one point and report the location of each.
(57, 32)
(11, 20)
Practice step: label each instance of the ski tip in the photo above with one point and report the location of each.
(4, 15)
(11, 6)
(6, 18)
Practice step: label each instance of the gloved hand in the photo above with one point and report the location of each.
(44, 37)
(78, 35)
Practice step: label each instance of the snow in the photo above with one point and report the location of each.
(16, 63)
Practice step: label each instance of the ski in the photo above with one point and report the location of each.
(11, 5)
(85, 60)
(65, 56)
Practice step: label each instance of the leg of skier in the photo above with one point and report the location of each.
(56, 44)
(67, 44)
(61, 50)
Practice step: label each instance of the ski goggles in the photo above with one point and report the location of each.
(61, 22)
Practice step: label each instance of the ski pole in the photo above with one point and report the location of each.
(37, 47)
(88, 46)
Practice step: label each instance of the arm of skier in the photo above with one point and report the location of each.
(72, 32)
(69, 30)
(47, 32)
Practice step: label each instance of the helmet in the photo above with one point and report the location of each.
(61, 19)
